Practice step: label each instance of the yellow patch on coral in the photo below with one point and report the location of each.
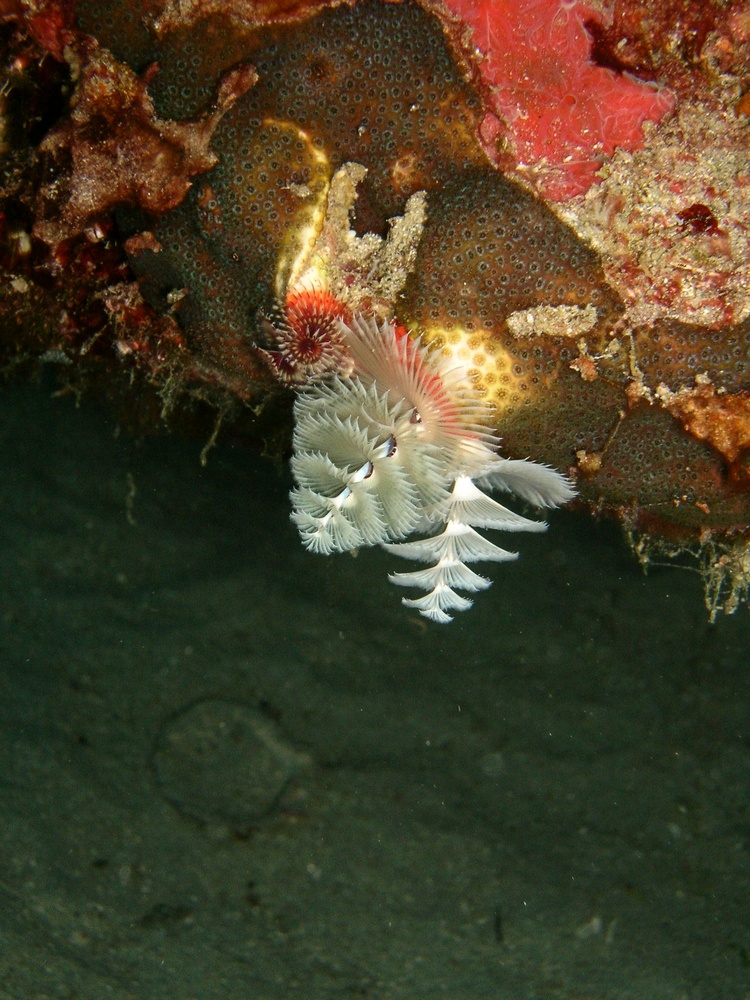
(295, 266)
(489, 364)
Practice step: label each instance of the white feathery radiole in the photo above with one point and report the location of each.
(401, 446)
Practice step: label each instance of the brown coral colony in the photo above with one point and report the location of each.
(188, 163)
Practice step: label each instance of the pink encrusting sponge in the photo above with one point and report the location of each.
(562, 112)
(397, 448)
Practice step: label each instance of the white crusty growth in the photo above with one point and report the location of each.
(402, 447)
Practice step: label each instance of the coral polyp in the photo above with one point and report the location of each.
(395, 449)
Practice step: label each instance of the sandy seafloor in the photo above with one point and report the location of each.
(231, 769)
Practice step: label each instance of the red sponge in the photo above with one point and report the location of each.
(562, 113)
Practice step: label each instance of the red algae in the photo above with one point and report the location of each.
(114, 150)
(562, 112)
